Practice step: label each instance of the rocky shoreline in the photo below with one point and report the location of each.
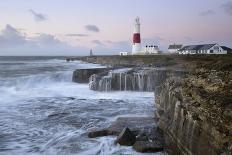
(140, 132)
(192, 97)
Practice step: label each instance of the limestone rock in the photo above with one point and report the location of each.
(126, 138)
(146, 147)
(99, 133)
(193, 112)
(83, 75)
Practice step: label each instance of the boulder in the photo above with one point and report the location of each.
(146, 147)
(126, 138)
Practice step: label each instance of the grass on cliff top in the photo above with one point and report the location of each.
(212, 62)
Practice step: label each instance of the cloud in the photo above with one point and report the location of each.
(77, 35)
(10, 36)
(13, 42)
(92, 28)
(227, 7)
(98, 42)
(38, 16)
(207, 13)
(46, 40)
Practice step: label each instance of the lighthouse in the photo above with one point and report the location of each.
(136, 37)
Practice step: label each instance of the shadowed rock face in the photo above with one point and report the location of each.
(83, 75)
(137, 79)
(126, 138)
(194, 113)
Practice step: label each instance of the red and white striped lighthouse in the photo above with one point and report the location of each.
(136, 37)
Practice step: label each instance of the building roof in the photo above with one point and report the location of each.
(151, 46)
(175, 46)
(198, 47)
(229, 50)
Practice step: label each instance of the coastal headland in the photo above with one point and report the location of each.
(193, 98)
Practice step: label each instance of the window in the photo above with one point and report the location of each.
(211, 51)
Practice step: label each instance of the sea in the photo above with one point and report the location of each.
(43, 112)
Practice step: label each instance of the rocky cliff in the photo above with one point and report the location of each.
(196, 112)
(194, 108)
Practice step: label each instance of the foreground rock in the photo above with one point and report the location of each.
(146, 147)
(143, 128)
(83, 75)
(126, 137)
(137, 125)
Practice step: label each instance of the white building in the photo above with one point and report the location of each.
(124, 53)
(203, 49)
(151, 49)
(174, 49)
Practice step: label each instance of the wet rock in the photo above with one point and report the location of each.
(83, 75)
(130, 79)
(126, 138)
(100, 133)
(137, 126)
(146, 147)
(143, 129)
(142, 137)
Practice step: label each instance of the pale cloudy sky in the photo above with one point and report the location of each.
(73, 27)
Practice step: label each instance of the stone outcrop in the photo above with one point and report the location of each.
(196, 112)
(128, 79)
(83, 75)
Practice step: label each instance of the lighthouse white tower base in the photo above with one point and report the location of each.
(136, 48)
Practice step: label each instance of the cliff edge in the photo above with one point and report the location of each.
(195, 112)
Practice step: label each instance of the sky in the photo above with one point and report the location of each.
(73, 27)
